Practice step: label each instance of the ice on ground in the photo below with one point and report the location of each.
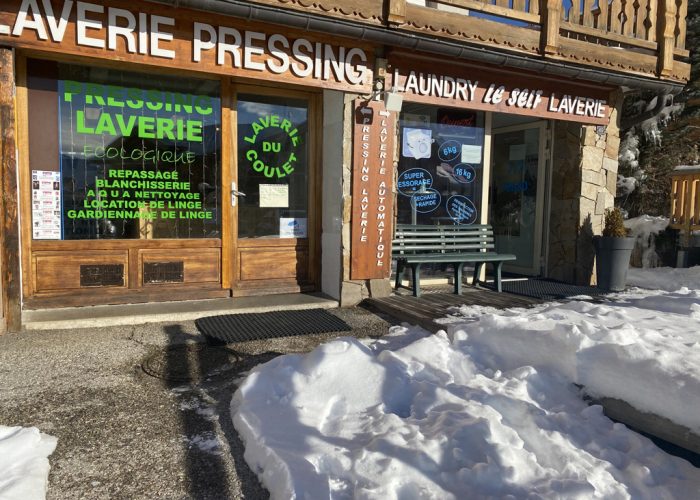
(24, 463)
(486, 412)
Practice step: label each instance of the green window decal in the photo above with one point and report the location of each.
(273, 144)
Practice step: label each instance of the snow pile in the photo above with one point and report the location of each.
(644, 349)
(24, 463)
(645, 228)
(415, 415)
(665, 278)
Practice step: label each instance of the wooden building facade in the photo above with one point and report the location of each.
(155, 152)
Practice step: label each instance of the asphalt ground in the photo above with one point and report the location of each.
(143, 411)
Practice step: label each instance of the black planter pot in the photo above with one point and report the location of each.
(612, 261)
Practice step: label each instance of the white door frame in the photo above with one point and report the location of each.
(535, 266)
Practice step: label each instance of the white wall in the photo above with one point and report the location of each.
(332, 195)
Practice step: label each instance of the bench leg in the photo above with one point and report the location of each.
(458, 277)
(399, 270)
(415, 269)
(477, 271)
(497, 268)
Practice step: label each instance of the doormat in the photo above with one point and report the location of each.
(229, 328)
(546, 289)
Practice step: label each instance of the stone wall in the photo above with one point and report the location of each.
(584, 180)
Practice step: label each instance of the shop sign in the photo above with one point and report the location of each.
(372, 200)
(176, 37)
(488, 89)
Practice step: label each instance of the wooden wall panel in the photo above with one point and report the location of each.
(54, 271)
(273, 263)
(200, 265)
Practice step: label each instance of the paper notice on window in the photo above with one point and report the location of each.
(274, 195)
(517, 152)
(417, 143)
(46, 205)
(471, 154)
(292, 227)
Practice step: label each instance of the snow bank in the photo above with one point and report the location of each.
(415, 415)
(24, 463)
(665, 278)
(644, 349)
(642, 228)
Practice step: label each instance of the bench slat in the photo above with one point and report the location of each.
(450, 258)
(476, 232)
(448, 240)
(445, 227)
(440, 249)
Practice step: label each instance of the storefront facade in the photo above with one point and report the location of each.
(171, 154)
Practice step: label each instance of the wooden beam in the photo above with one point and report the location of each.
(550, 13)
(9, 245)
(396, 12)
(666, 36)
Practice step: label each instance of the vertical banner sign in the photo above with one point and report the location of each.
(372, 199)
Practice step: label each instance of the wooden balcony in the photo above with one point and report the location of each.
(641, 37)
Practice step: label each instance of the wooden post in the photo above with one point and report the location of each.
(550, 15)
(666, 37)
(9, 253)
(396, 12)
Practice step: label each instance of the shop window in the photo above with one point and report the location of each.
(121, 155)
(272, 167)
(440, 168)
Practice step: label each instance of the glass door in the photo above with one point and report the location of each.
(516, 197)
(271, 192)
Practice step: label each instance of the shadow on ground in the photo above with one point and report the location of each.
(204, 376)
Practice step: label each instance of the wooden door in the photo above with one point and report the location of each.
(274, 248)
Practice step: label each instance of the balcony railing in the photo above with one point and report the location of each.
(643, 37)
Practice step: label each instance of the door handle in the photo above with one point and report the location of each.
(235, 194)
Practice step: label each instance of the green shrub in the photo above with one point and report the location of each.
(614, 226)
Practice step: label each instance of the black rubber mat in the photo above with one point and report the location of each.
(546, 289)
(229, 328)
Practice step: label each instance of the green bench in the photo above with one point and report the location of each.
(415, 245)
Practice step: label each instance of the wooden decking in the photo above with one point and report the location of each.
(438, 301)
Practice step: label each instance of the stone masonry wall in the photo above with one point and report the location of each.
(584, 180)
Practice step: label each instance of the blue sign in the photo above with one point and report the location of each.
(461, 210)
(414, 180)
(514, 187)
(449, 150)
(464, 173)
(426, 202)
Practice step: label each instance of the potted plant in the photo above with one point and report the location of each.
(613, 251)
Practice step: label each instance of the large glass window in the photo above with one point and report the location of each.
(440, 165)
(272, 167)
(138, 156)
(514, 201)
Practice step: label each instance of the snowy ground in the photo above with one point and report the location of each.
(486, 410)
(24, 464)
(664, 278)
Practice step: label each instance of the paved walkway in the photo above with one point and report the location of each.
(125, 434)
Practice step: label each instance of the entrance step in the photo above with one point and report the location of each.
(157, 312)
